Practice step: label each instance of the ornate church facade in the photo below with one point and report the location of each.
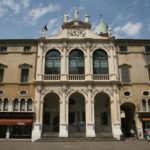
(75, 83)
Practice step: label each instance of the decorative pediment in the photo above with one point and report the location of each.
(3, 66)
(25, 65)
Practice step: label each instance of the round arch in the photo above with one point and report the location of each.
(102, 114)
(76, 48)
(50, 92)
(50, 114)
(105, 92)
(101, 49)
(76, 121)
(76, 91)
(50, 49)
(128, 120)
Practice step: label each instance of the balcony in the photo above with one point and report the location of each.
(101, 77)
(51, 77)
(78, 77)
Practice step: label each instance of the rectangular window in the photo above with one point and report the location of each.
(24, 75)
(123, 48)
(1, 74)
(3, 49)
(27, 49)
(125, 74)
(104, 118)
(147, 49)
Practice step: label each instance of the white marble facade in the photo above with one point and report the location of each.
(87, 87)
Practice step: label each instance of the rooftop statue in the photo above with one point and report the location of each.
(76, 13)
(65, 17)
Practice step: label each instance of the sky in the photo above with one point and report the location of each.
(24, 19)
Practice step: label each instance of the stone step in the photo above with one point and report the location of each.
(75, 139)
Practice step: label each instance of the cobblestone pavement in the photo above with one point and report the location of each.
(110, 145)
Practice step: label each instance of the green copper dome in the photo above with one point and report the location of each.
(102, 26)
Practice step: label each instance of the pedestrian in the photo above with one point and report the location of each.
(132, 132)
(139, 133)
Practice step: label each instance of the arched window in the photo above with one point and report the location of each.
(76, 62)
(144, 105)
(149, 105)
(6, 104)
(52, 62)
(1, 104)
(16, 105)
(100, 62)
(29, 105)
(22, 105)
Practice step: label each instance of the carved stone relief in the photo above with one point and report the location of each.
(76, 33)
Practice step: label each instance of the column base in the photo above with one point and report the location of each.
(8, 132)
(90, 132)
(36, 132)
(116, 129)
(63, 132)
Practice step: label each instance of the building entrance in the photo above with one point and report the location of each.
(102, 115)
(51, 115)
(128, 121)
(76, 115)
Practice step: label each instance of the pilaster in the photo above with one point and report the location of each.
(64, 63)
(37, 128)
(63, 128)
(90, 124)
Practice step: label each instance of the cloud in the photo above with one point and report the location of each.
(53, 26)
(6, 5)
(130, 29)
(3, 11)
(148, 27)
(25, 3)
(36, 13)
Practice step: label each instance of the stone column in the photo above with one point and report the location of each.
(64, 63)
(90, 123)
(112, 61)
(39, 65)
(63, 128)
(37, 130)
(88, 63)
(139, 126)
(115, 115)
(8, 132)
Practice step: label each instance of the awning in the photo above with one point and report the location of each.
(16, 121)
(146, 119)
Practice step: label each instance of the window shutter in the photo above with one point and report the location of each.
(125, 74)
(149, 74)
(1, 74)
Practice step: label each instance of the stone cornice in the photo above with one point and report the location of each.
(4, 41)
(132, 41)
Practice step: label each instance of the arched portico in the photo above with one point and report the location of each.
(102, 114)
(76, 120)
(128, 119)
(51, 115)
